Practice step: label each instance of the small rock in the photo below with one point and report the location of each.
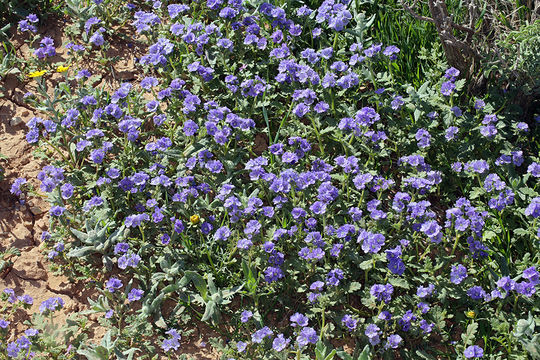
(29, 269)
(25, 113)
(36, 210)
(17, 120)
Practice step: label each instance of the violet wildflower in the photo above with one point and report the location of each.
(4, 323)
(241, 346)
(534, 169)
(476, 293)
(280, 343)
(334, 276)
(259, 335)
(273, 273)
(382, 292)
(534, 208)
(393, 341)
(458, 273)
(52, 304)
(423, 138)
(473, 351)
(299, 320)
(171, 343)
(532, 275)
(16, 186)
(135, 294)
(372, 332)
(307, 335)
(447, 88)
(349, 322)
(245, 316)
(114, 284)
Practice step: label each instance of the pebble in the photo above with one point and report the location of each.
(30, 269)
(17, 120)
(36, 210)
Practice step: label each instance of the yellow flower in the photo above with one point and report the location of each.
(470, 314)
(194, 219)
(37, 73)
(61, 68)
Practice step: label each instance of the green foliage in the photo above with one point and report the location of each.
(14, 10)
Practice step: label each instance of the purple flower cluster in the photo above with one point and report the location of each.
(46, 48)
(334, 13)
(28, 23)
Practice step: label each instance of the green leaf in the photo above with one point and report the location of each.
(354, 286)
(331, 355)
(424, 355)
(81, 252)
(365, 354)
(199, 283)
(468, 337)
(399, 282)
(344, 355)
(366, 265)
(209, 311)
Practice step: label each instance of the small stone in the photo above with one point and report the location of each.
(25, 113)
(36, 210)
(16, 121)
(29, 269)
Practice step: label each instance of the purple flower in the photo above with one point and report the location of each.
(244, 244)
(393, 341)
(52, 304)
(259, 335)
(479, 104)
(299, 320)
(488, 131)
(382, 292)
(334, 276)
(349, 322)
(458, 273)
(135, 294)
(476, 293)
(126, 260)
(176, 9)
(16, 186)
(113, 284)
(241, 346)
(307, 335)
(252, 227)
(534, 169)
(12, 350)
(473, 351)
(4, 323)
(121, 248)
(371, 243)
(521, 126)
(245, 316)
(451, 133)
(372, 332)
(280, 343)
(57, 210)
(273, 273)
(534, 208)
(222, 233)
(423, 138)
(456, 111)
(173, 342)
(451, 73)
(301, 109)
(423, 307)
(447, 88)
(532, 275)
